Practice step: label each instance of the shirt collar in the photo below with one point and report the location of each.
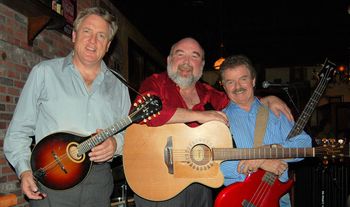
(68, 61)
(255, 105)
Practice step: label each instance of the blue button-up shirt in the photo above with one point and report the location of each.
(55, 99)
(242, 127)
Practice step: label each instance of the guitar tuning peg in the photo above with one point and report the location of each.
(135, 104)
(145, 120)
(154, 115)
(325, 162)
(139, 101)
(149, 118)
(332, 140)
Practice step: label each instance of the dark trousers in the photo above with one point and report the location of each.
(195, 195)
(94, 191)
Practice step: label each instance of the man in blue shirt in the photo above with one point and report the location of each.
(77, 94)
(238, 78)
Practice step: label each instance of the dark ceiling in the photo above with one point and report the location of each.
(274, 33)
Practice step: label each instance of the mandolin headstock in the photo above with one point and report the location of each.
(145, 108)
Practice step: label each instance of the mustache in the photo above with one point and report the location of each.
(239, 90)
(185, 66)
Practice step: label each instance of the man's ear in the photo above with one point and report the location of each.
(109, 43)
(254, 80)
(74, 35)
(168, 59)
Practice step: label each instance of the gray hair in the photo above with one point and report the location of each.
(108, 17)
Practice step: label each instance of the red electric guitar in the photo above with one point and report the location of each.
(263, 189)
(59, 161)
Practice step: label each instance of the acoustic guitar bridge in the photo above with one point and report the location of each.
(168, 155)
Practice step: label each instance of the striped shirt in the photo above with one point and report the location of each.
(242, 125)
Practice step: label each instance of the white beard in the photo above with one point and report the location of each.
(182, 82)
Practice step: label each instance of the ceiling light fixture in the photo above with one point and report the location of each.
(219, 61)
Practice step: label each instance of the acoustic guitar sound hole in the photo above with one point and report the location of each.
(200, 154)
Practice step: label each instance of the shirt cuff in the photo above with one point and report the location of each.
(120, 143)
(22, 166)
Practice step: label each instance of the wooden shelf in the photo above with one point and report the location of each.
(39, 16)
(8, 200)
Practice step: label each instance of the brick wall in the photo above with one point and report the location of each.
(16, 60)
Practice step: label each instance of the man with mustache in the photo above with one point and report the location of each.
(186, 100)
(238, 78)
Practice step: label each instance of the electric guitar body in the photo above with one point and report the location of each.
(245, 193)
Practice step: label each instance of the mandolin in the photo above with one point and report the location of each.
(60, 161)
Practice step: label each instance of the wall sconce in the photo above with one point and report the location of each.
(218, 63)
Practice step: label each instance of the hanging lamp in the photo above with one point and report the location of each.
(219, 61)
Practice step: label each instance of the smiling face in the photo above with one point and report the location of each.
(186, 62)
(91, 41)
(239, 85)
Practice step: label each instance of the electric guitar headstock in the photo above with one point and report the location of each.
(145, 108)
(331, 149)
(327, 71)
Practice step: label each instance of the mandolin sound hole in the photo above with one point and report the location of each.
(201, 154)
(72, 151)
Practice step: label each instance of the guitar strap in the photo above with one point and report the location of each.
(260, 125)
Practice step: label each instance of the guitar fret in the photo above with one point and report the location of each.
(98, 138)
(261, 153)
(310, 106)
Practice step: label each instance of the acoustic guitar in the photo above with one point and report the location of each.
(60, 161)
(263, 189)
(159, 162)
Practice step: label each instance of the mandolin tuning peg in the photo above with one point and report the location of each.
(325, 140)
